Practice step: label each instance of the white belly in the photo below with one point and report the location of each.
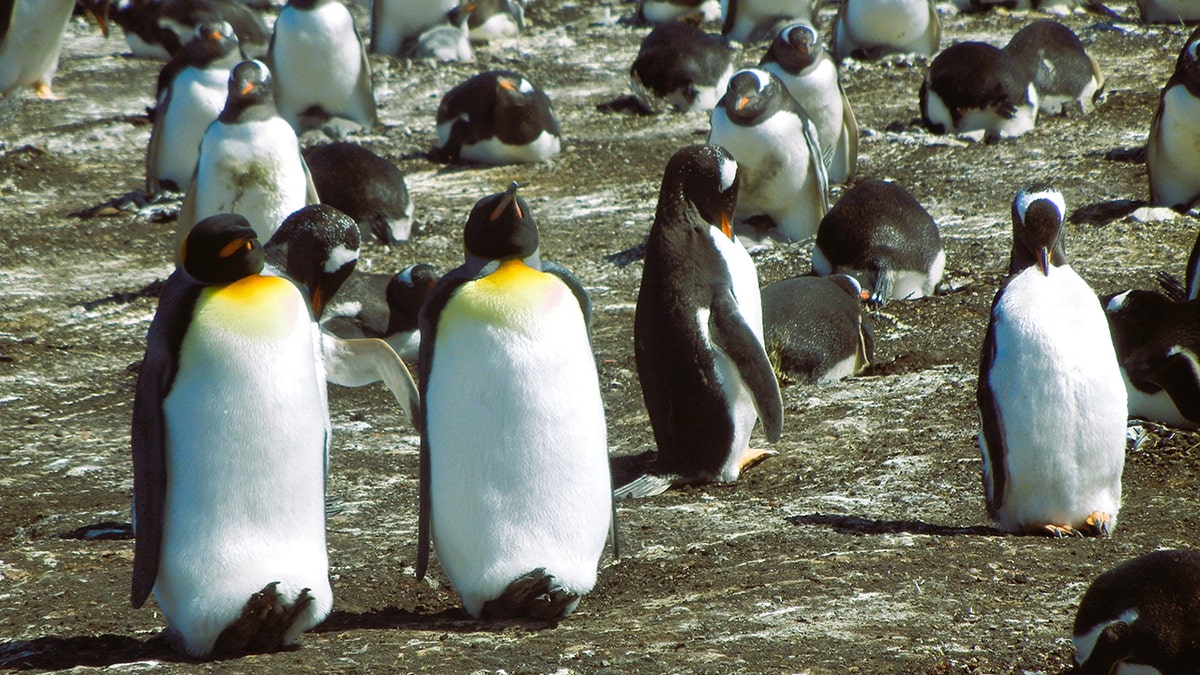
(400, 19)
(29, 53)
(752, 13)
(495, 151)
(318, 62)
(1174, 160)
(197, 97)
(901, 25)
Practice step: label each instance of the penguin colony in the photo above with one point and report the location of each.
(225, 328)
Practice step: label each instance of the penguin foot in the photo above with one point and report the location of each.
(1057, 531)
(263, 624)
(43, 91)
(535, 595)
(1099, 524)
(647, 485)
(754, 458)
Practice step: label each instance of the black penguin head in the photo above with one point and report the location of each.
(250, 83)
(304, 4)
(703, 179)
(221, 249)
(751, 96)
(406, 292)
(211, 41)
(795, 48)
(1187, 66)
(501, 226)
(512, 86)
(316, 247)
(1038, 212)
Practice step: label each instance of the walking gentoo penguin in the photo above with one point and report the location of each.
(752, 20)
(515, 486)
(814, 329)
(1140, 617)
(383, 306)
(658, 12)
(157, 29)
(322, 76)
(682, 65)
(974, 88)
(395, 21)
(364, 186)
(1065, 76)
(497, 117)
(231, 395)
(1052, 405)
(31, 37)
(871, 29)
(783, 177)
(697, 331)
(1168, 11)
(250, 160)
(797, 58)
(881, 236)
(495, 20)
(192, 88)
(1173, 151)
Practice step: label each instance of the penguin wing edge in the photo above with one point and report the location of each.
(991, 435)
(362, 361)
(736, 339)
(572, 282)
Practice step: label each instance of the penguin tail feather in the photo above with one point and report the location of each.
(646, 485)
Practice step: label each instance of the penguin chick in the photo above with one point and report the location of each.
(659, 12)
(974, 88)
(683, 66)
(448, 40)
(383, 306)
(31, 37)
(157, 29)
(364, 186)
(751, 20)
(1173, 150)
(1052, 406)
(697, 331)
(814, 330)
(1064, 75)
(497, 117)
(872, 29)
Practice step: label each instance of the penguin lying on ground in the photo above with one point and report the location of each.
(754, 20)
(497, 117)
(814, 330)
(1173, 150)
(682, 65)
(156, 29)
(1064, 75)
(383, 306)
(975, 88)
(364, 186)
(658, 12)
(872, 29)
(495, 19)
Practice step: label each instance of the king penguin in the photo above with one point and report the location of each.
(1065, 76)
(368, 188)
(230, 437)
(497, 117)
(1052, 406)
(784, 185)
(1173, 150)
(322, 76)
(1140, 617)
(872, 29)
(753, 20)
(697, 331)
(974, 88)
(814, 329)
(516, 493)
(31, 37)
(683, 66)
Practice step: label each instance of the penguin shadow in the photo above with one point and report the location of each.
(629, 467)
(1103, 213)
(446, 621)
(151, 290)
(856, 525)
(92, 651)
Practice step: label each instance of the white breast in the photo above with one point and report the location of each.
(400, 19)
(495, 151)
(317, 62)
(197, 97)
(1174, 159)
(899, 24)
(29, 53)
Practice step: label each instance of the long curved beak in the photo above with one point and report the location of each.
(509, 195)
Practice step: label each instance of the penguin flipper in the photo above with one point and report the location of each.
(647, 485)
(820, 181)
(363, 361)
(1179, 376)
(739, 342)
(310, 188)
(1113, 646)
(7, 8)
(935, 32)
(991, 435)
(186, 218)
(156, 140)
(1171, 286)
(364, 88)
(848, 139)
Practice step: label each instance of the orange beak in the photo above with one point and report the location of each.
(726, 225)
(507, 84)
(742, 102)
(248, 88)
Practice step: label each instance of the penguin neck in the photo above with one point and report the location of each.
(1022, 258)
(247, 110)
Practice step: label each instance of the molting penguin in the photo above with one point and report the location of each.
(393, 22)
(697, 331)
(157, 29)
(495, 20)
(682, 65)
(497, 117)
(1173, 151)
(31, 37)
(749, 20)
(797, 58)
(383, 306)
(974, 88)
(364, 186)
(230, 437)
(659, 12)
(871, 29)
(884, 238)
(515, 485)
(782, 173)
(1065, 76)
(1168, 11)
(1140, 617)
(322, 76)
(1052, 405)
(814, 329)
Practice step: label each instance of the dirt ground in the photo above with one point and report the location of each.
(863, 547)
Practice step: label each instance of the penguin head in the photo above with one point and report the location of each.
(406, 292)
(704, 178)
(211, 41)
(500, 227)
(1038, 212)
(513, 87)
(304, 4)
(221, 249)
(316, 247)
(250, 83)
(752, 94)
(795, 48)
(1187, 67)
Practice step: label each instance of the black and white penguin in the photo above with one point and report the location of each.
(497, 117)
(753, 20)
(1052, 406)
(192, 88)
(31, 37)
(1140, 617)
(697, 331)
(814, 329)
(783, 177)
(885, 239)
(1064, 75)
(495, 20)
(1173, 150)
(872, 29)
(364, 186)
(683, 66)
(157, 29)
(383, 306)
(1168, 11)
(231, 395)
(797, 58)
(974, 88)
(393, 22)
(322, 76)
(658, 12)
(447, 40)
(516, 492)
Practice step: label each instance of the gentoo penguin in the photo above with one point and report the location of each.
(383, 306)
(797, 58)
(395, 21)
(1052, 405)
(31, 37)
(156, 29)
(495, 19)
(814, 329)
(230, 437)
(250, 160)
(751, 20)
(697, 331)
(974, 88)
(783, 177)
(446, 41)
(1140, 617)
(364, 186)
(658, 12)
(322, 76)
(1168, 11)
(1173, 150)
(1065, 76)
(497, 117)
(871, 29)
(515, 486)
(885, 239)
(683, 66)
(1190, 288)
(192, 88)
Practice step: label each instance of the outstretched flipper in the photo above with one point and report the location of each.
(363, 361)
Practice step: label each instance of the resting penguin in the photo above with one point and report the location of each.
(1140, 617)
(783, 177)
(230, 435)
(448, 40)
(1052, 405)
(192, 88)
(797, 58)
(814, 330)
(974, 88)
(1168, 11)
(697, 331)
(31, 37)
(871, 29)
(322, 76)
(658, 12)
(364, 186)
(1173, 150)
(395, 21)
(497, 117)
(383, 306)
(157, 29)
(495, 19)
(751, 20)
(683, 66)
(1065, 76)
(885, 239)
(515, 486)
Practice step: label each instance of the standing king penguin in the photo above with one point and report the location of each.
(1051, 400)
(1173, 151)
(516, 492)
(697, 332)
(230, 437)
(31, 37)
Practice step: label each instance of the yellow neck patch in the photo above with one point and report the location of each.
(257, 305)
(506, 295)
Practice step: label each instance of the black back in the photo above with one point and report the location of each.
(975, 75)
(495, 106)
(877, 224)
(368, 188)
(812, 323)
(142, 18)
(1051, 56)
(677, 54)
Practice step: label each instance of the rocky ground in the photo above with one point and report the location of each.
(862, 547)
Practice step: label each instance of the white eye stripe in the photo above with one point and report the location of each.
(728, 173)
(1025, 199)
